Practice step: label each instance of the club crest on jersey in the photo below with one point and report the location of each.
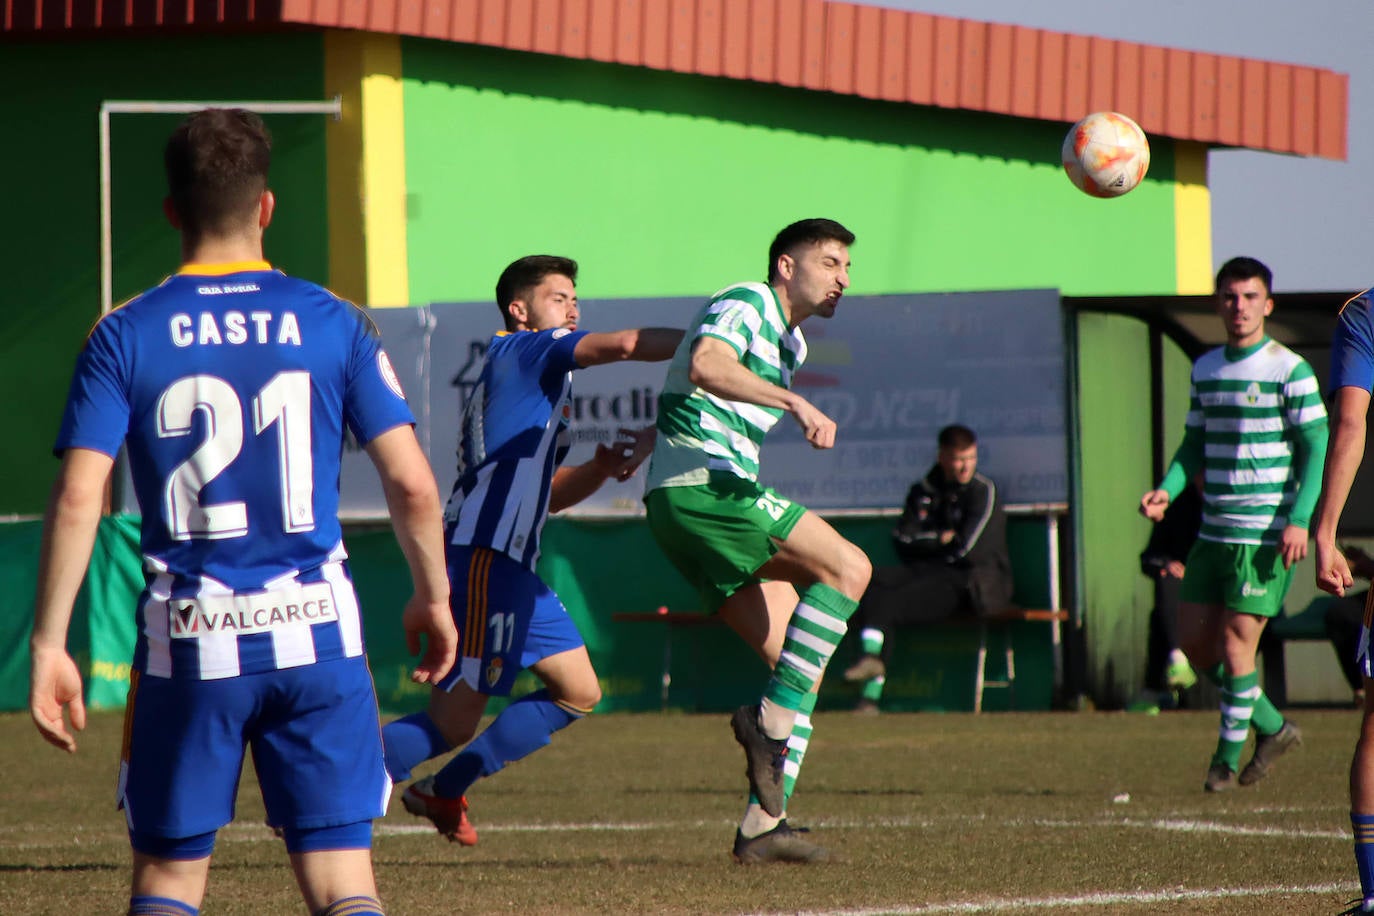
(494, 672)
(389, 374)
(1252, 394)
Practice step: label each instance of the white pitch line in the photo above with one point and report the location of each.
(1179, 825)
(1103, 898)
(1213, 827)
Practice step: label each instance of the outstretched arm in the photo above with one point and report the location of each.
(412, 497)
(69, 529)
(716, 369)
(645, 345)
(1343, 456)
(619, 460)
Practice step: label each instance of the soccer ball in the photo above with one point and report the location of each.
(1106, 154)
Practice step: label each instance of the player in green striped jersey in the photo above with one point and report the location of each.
(779, 575)
(1256, 432)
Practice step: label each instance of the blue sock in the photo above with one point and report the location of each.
(353, 906)
(1364, 851)
(159, 906)
(522, 728)
(411, 740)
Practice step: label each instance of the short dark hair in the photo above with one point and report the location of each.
(1243, 268)
(956, 437)
(216, 162)
(805, 232)
(522, 276)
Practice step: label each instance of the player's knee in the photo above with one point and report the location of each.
(456, 733)
(583, 699)
(854, 572)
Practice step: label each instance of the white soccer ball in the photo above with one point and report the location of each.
(1106, 154)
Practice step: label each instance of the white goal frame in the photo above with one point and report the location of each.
(333, 107)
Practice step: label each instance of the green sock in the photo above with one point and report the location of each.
(813, 632)
(873, 688)
(796, 747)
(871, 640)
(1266, 718)
(1238, 695)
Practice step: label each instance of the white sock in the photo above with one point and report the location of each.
(776, 721)
(757, 821)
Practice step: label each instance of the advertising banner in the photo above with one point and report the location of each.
(890, 370)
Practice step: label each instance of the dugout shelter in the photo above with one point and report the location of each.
(661, 143)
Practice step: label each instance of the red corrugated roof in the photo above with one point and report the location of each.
(823, 45)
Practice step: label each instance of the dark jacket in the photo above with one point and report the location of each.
(975, 514)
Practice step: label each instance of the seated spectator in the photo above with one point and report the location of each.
(952, 540)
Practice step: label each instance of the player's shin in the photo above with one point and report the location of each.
(409, 741)
(797, 744)
(522, 728)
(813, 632)
(1363, 825)
(1238, 695)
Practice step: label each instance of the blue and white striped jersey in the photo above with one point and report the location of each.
(231, 387)
(514, 436)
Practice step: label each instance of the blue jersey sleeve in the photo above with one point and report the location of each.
(548, 351)
(97, 412)
(1352, 347)
(374, 401)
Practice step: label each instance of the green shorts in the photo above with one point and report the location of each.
(719, 534)
(1248, 578)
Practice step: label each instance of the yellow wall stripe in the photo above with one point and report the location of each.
(1192, 219)
(367, 175)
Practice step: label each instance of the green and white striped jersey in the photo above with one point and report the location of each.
(699, 433)
(1249, 406)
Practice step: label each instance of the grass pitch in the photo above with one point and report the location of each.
(1000, 813)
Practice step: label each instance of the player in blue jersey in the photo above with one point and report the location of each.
(509, 479)
(231, 385)
(1352, 380)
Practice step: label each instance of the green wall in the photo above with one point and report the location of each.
(666, 184)
(1114, 445)
(51, 240)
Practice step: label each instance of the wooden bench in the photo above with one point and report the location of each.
(668, 619)
(1000, 621)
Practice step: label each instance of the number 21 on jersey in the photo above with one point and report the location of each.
(283, 401)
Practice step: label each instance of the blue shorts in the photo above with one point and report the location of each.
(507, 620)
(315, 735)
